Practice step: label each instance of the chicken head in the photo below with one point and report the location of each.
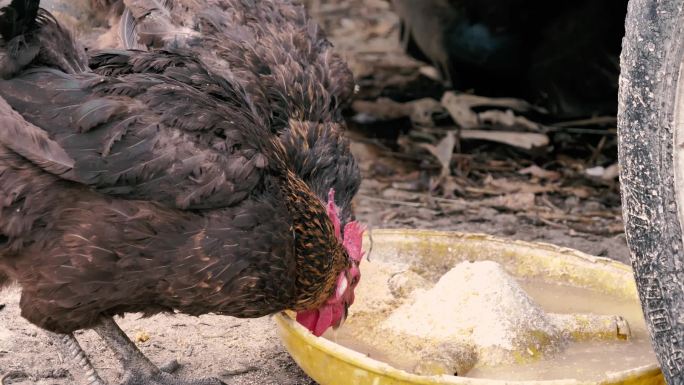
(334, 310)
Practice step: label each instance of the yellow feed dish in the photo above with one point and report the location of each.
(332, 364)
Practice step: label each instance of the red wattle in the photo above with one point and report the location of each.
(308, 319)
(325, 317)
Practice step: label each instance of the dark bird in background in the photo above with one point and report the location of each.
(175, 179)
(560, 55)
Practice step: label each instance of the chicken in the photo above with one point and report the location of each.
(561, 55)
(282, 60)
(153, 181)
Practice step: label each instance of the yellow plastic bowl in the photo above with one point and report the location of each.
(331, 364)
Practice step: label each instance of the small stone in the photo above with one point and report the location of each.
(141, 337)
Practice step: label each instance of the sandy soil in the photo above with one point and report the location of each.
(236, 351)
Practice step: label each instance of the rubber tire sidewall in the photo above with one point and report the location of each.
(650, 61)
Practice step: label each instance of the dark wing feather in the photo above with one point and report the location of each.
(116, 133)
(166, 141)
(280, 56)
(290, 73)
(33, 143)
(95, 112)
(162, 131)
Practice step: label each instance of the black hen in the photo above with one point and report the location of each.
(562, 55)
(282, 60)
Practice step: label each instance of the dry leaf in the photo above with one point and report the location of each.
(512, 103)
(611, 172)
(381, 109)
(539, 172)
(443, 152)
(526, 140)
(606, 173)
(430, 72)
(399, 195)
(578, 191)
(508, 119)
(595, 171)
(459, 109)
(422, 111)
(514, 202)
(382, 29)
(504, 186)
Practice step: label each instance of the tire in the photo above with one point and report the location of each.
(651, 58)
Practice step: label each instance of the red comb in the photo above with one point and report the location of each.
(353, 231)
(353, 240)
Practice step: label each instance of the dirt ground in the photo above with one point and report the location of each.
(249, 351)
